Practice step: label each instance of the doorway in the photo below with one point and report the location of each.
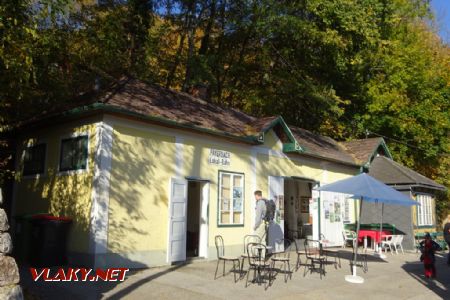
(188, 219)
(298, 222)
(193, 219)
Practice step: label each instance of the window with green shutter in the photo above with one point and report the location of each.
(74, 154)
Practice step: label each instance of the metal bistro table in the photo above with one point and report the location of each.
(260, 248)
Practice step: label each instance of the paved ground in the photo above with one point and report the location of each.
(396, 277)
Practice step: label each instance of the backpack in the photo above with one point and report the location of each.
(270, 210)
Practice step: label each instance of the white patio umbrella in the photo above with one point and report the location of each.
(366, 188)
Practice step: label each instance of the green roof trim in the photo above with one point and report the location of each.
(293, 145)
(382, 143)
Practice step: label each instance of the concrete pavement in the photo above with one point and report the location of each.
(396, 277)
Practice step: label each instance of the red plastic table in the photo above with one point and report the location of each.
(373, 234)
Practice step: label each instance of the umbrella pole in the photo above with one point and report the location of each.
(355, 278)
(380, 252)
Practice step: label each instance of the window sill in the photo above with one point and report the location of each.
(230, 225)
(426, 226)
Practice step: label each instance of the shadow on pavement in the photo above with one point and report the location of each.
(123, 292)
(40, 290)
(441, 284)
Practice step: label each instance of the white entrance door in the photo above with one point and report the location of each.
(177, 221)
(276, 228)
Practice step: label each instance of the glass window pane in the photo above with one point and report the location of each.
(66, 155)
(225, 193)
(237, 199)
(74, 153)
(34, 160)
(237, 182)
(430, 211)
(225, 204)
(225, 218)
(226, 180)
(237, 217)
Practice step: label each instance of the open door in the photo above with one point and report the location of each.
(177, 220)
(314, 212)
(332, 217)
(276, 228)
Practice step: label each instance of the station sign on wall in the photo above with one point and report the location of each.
(219, 157)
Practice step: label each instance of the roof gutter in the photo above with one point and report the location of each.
(329, 159)
(421, 185)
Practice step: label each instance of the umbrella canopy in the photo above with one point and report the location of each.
(370, 189)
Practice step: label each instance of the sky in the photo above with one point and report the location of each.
(441, 10)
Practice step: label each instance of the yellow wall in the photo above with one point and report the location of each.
(58, 194)
(144, 161)
(196, 164)
(141, 168)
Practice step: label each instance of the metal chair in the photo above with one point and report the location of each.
(282, 255)
(313, 252)
(256, 255)
(361, 260)
(298, 263)
(249, 238)
(328, 252)
(221, 256)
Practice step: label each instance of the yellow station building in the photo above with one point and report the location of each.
(150, 176)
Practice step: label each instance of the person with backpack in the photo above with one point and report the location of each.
(260, 213)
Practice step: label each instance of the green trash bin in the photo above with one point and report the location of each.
(22, 236)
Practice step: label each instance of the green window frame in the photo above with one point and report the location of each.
(34, 160)
(231, 199)
(74, 153)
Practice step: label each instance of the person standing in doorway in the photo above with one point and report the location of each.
(260, 212)
(447, 237)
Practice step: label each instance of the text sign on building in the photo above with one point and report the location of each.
(219, 157)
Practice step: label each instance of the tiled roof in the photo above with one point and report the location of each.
(363, 149)
(153, 100)
(262, 123)
(157, 101)
(321, 145)
(160, 104)
(393, 173)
